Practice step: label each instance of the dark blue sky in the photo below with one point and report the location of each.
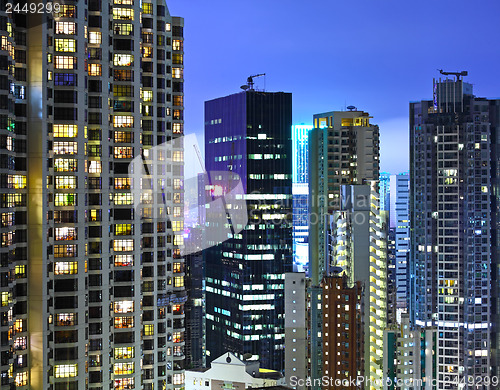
(374, 54)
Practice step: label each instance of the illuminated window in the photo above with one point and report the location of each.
(123, 198)
(177, 226)
(149, 330)
(21, 379)
(124, 136)
(147, 96)
(124, 28)
(177, 267)
(178, 379)
(65, 11)
(123, 245)
(123, 91)
(177, 73)
(67, 28)
(177, 45)
(124, 2)
(95, 70)
(124, 322)
(20, 271)
(122, 183)
(123, 13)
(65, 233)
(177, 58)
(95, 166)
(178, 185)
(69, 131)
(64, 62)
(147, 8)
(65, 200)
(177, 128)
(65, 147)
(65, 165)
(178, 281)
(123, 152)
(123, 229)
(6, 298)
(177, 211)
(65, 45)
(178, 100)
(147, 52)
(123, 60)
(20, 343)
(124, 352)
(17, 181)
(65, 370)
(124, 260)
(65, 182)
(95, 37)
(124, 384)
(178, 155)
(65, 319)
(123, 121)
(65, 251)
(123, 368)
(122, 307)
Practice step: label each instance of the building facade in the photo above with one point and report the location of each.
(247, 135)
(96, 298)
(454, 240)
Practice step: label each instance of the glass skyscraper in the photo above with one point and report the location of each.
(248, 140)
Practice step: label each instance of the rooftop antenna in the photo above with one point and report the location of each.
(250, 82)
(456, 74)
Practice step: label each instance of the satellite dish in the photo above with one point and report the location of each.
(350, 108)
(244, 87)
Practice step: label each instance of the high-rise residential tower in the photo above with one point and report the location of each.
(94, 279)
(454, 234)
(248, 141)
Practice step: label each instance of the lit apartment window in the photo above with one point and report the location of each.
(177, 73)
(123, 198)
(65, 370)
(178, 379)
(147, 96)
(65, 319)
(122, 307)
(177, 128)
(6, 298)
(123, 60)
(123, 152)
(95, 37)
(147, 52)
(177, 226)
(124, 384)
(124, 322)
(147, 8)
(123, 229)
(123, 245)
(178, 184)
(123, 14)
(123, 121)
(95, 166)
(124, 28)
(21, 379)
(65, 45)
(123, 368)
(124, 352)
(178, 155)
(70, 131)
(122, 183)
(65, 251)
(177, 211)
(123, 91)
(17, 181)
(65, 200)
(20, 271)
(65, 147)
(177, 45)
(124, 260)
(65, 165)
(149, 330)
(67, 28)
(64, 11)
(95, 70)
(179, 281)
(65, 233)
(64, 62)
(65, 182)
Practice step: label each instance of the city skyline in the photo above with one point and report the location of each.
(377, 56)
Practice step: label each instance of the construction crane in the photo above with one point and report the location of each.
(457, 74)
(250, 83)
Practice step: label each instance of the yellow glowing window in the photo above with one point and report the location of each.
(177, 226)
(149, 330)
(124, 2)
(65, 319)
(124, 260)
(123, 198)
(177, 58)
(65, 370)
(65, 147)
(122, 307)
(65, 251)
(17, 181)
(67, 28)
(123, 368)
(124, 322)
(123, 136)
(178, 155)
(69, 131)
(177, 128)
(147, 8)
(95, 70)
(95, 166)
(122, 183)
(20, 271)
(179, 281)
(177, 267)
(123, 60)
(123, 13)
(95, 37)
(65, 11)
(65, 233)
(65, 200)
(177, 212)
(7, 219)
(176, 44)
(65, 182)
(178, 100)
(6, 298)
(177, 337)
(124, 28)
(65, 165)
(65, 45)
(123, 121)
(66, 268)
(64, 62)
(123, 152)
(124, 383)
(123, 245)
(123, 229)
(147, 52)
(124, 352)
(177, 73)
(178, 185)
(21, 379)
(147, 96)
